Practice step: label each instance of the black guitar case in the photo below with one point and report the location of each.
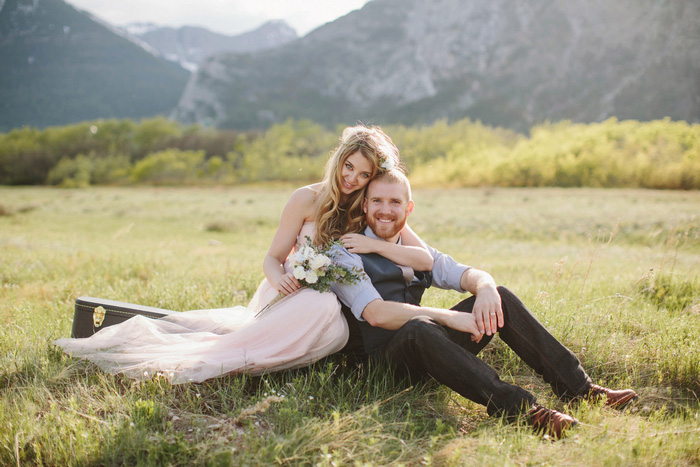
(92, 314)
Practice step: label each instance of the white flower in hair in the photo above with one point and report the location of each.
(386, 162)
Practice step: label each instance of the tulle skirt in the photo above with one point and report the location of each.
(202, 344)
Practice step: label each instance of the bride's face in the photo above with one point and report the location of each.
(355, 173)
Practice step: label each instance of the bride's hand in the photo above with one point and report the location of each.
(357, 243)
(288, 284)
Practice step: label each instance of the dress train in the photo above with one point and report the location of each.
(201, 344)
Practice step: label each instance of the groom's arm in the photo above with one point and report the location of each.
(366, 304)
(487, 310)
(449, 274)
(393, 315)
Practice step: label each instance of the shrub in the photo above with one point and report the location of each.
(71, 173)
(83, 171)
(659, 154)
(293, 151)
(171, 166)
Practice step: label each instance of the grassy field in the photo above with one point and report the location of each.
(615, 274)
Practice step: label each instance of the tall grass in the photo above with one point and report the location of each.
(613, 274)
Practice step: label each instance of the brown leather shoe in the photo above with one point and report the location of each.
(615, 399)
(550, 422)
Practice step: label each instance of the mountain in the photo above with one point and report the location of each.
(510, 63)
(190, 45)
(61, 66)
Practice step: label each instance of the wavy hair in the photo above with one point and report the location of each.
(333, 219)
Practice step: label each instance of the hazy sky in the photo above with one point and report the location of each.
(224, 16)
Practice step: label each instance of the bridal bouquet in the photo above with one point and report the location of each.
(315, 268)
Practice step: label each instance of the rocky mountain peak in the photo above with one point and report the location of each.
(506, 62)
(189, 45)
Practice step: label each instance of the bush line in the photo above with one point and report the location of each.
(660, 154)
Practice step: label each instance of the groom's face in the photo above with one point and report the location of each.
(387, 206)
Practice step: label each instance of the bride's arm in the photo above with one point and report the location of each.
(284, 240)
(411, 252)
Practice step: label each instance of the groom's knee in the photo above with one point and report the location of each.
(420, 328)
(510, 303)
(505, 293)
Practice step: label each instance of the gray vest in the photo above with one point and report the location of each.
(389, 281)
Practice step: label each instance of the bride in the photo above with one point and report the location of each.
(296, 331)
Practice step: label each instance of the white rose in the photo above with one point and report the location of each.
(307, 252)
(300, 274)
(297, 258)
(311, 277)
(319, 261)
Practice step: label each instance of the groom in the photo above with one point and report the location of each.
(387, 321)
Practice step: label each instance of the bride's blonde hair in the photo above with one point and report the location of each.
(332, 219)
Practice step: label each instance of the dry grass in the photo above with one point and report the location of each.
(582, 259)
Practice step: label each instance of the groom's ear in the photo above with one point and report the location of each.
(364, 205)
(409, 208)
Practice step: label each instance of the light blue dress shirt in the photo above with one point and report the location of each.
(447, 274)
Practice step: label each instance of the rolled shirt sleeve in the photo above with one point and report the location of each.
(447, 273)
(358, 295)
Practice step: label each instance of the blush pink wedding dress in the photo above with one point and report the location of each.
(202, 344)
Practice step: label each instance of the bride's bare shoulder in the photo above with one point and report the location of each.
(308, 193)
(306, 196)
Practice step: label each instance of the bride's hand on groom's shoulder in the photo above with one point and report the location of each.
(357, 243)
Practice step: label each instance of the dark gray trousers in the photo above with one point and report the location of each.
(422, 347)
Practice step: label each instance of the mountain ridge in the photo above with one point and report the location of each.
(505, 62)
(189, 45)
(61, 66)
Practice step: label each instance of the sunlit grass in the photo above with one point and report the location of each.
(613, 273)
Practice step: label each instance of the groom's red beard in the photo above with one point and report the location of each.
(385, 231)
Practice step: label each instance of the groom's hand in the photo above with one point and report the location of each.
(487, 309)
(465, 322)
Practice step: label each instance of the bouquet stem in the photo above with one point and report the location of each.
(278, 298)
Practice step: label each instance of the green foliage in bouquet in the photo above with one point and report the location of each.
(315, 268)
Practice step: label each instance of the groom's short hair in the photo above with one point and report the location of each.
(394, 176)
